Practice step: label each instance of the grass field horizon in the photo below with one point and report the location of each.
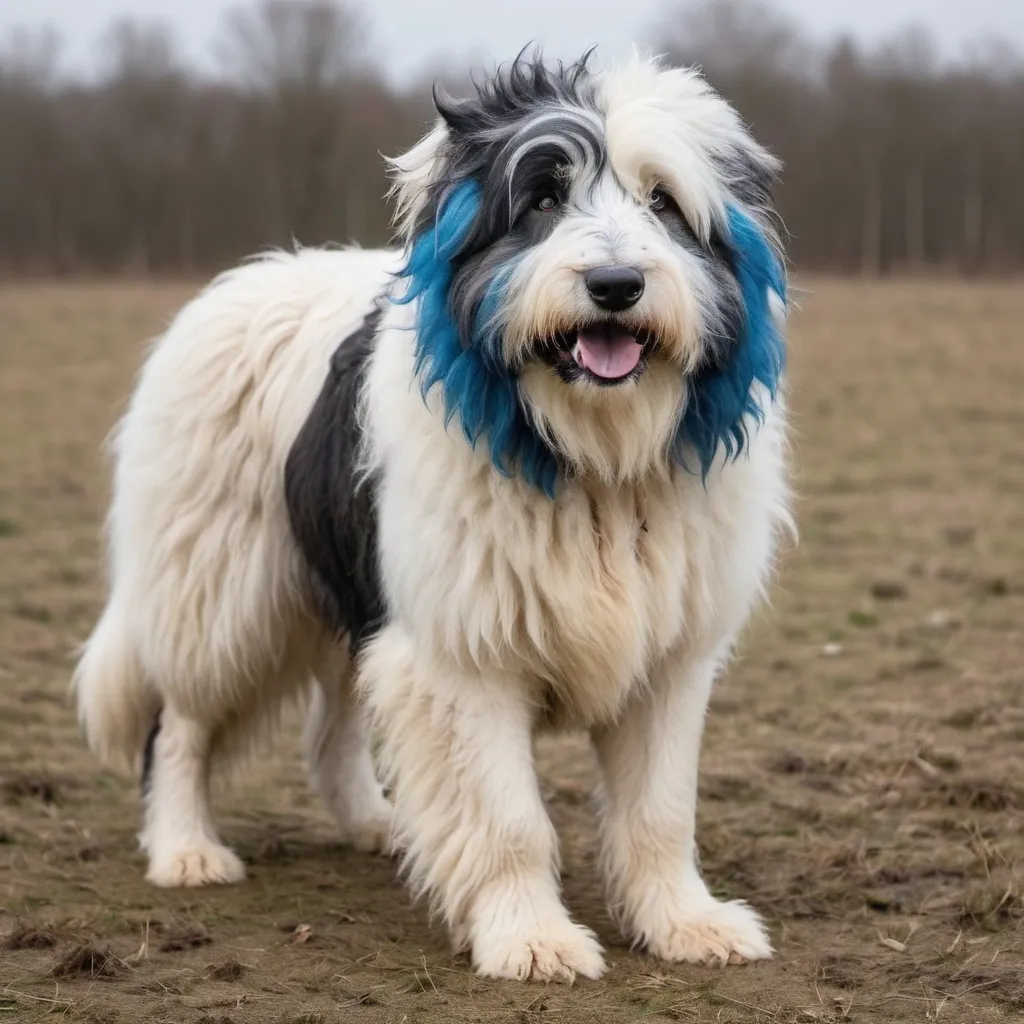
(863, 770)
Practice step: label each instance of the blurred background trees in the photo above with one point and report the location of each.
(895, 160)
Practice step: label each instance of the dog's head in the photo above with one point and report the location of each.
(597, 278)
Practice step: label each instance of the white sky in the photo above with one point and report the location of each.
(409, 35)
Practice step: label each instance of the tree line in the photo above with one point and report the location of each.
(895, 160)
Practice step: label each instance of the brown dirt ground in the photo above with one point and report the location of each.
(862, 783)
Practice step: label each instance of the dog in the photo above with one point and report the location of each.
(525, 470)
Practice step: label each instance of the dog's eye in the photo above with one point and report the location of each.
(658, 201)
(546, 204)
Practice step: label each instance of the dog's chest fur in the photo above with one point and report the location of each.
(587, 592)
(579, 596)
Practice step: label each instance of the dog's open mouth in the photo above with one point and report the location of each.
(605, 352)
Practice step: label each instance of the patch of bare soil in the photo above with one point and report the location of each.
(864, 769)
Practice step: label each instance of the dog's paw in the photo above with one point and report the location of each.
(361, 810)
(559, 954)
(370, 833)
(207, 864)
(710, 933)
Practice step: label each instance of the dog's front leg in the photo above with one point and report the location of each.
(649, 761)
(456, 746)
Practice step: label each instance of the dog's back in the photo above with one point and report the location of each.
(203, 570)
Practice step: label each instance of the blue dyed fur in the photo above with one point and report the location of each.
(480, 389)
(475, 383)
(721, 404)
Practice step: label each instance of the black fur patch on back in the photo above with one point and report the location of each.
(333, 514)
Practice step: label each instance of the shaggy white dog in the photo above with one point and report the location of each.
(526, 473)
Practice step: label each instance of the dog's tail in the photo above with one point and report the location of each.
(116, 704)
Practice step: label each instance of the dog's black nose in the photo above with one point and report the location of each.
(614, 288)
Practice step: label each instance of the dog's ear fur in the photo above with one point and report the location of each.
(412, 175)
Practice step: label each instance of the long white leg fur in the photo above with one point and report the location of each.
(179, 835)
(469, 815)
(340, 762)
(649, 762)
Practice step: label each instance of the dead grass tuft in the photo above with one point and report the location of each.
(26, 936)
(1004, 982)
(98, 1015)
(992, 903)
(90, 961)
(24, 786)
(177, 940)
(978, 794)
(229, 970)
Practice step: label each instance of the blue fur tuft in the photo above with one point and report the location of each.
(475, 384)
(722, 405)
(479, 389)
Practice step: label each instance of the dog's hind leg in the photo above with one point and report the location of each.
(179, 834)
(340, 763)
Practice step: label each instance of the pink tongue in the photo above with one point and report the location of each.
(607, 351)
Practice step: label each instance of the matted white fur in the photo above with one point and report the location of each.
(625, 594)
(208, 615)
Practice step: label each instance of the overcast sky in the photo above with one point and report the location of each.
(411, 34)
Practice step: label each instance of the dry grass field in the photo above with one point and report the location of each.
(863, 780)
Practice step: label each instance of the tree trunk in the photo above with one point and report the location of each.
(973, 224)
(871, 235)
(915, 223)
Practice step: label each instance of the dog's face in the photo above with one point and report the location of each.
(586, 250)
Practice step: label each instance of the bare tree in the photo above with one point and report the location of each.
(30, 58)
(282, 45)
(736, 38)
(138, 52)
